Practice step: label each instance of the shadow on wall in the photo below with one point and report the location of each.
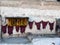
(58, 0)
(58, 26)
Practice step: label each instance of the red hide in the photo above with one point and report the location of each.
(44, 24)
(51, 26)
(3, 28)
(17, 28)
(10, 30)
(30, 25)
(38, 24)
(22, 29)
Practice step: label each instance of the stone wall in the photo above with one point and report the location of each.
(31, 4)
(30, 0)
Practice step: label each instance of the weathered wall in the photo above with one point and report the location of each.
(46, 10)
(33, 14)
(17, 11)
(31, 4)
(30, 0)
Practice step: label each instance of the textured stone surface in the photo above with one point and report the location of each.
(30, 0)
(32, 4)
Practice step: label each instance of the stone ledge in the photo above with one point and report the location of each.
(27, 4)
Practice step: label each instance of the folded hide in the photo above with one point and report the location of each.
(44, 24)
(30, 25)
(10, 30)
(51, 26)
(38, 25)
(17, 28)
(3, 28)
(22, 29)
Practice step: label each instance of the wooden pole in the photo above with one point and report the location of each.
(1, 26)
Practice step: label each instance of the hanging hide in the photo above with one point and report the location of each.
(10, 30)
(30, 25)
(44, 24)
(4, 28)
(22, 29)
(51, 26)
(17, 28)
(38, 25)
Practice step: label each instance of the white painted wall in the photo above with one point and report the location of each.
(42, 31)
(14, 11)
(45, 15)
